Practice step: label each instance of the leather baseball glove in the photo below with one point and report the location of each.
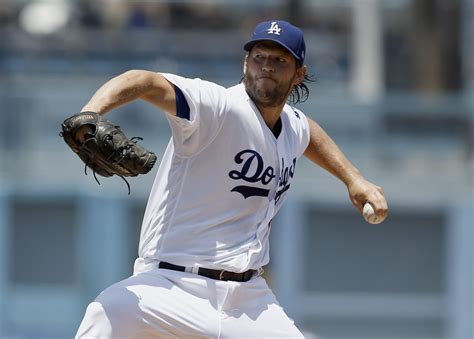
(104, 148)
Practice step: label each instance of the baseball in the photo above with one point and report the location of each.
(369, 214)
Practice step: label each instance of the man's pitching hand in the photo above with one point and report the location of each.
(362, 192)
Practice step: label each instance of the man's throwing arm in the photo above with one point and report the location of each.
(324, 152)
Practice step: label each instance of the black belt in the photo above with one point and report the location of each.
(213, 274)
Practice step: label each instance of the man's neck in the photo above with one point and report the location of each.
(270, 115)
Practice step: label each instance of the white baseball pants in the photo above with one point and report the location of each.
(162, 303)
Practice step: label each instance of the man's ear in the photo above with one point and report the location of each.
(300, 74)
(245, 64)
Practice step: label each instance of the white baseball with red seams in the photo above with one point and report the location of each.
(369, 214)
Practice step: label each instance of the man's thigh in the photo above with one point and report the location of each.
(252, 311)
(152, 304)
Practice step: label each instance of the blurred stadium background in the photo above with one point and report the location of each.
(395, 89)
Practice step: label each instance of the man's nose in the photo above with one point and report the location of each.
(267, 66)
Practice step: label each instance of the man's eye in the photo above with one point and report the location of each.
(281, 60)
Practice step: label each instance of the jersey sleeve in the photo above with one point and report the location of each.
(207, 107)
(303, 131)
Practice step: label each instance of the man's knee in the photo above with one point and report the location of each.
(95, 322)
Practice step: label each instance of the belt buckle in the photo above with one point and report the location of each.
(221, 275)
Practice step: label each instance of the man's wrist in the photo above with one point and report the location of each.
(353, 178)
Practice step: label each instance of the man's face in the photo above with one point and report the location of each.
(270, 72)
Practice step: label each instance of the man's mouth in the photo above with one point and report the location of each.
(266, 77)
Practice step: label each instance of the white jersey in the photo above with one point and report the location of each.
(223, 177)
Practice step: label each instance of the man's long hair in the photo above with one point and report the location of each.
(300, 92)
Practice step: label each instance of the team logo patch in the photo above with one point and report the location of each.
(296, 113)
(274, 29)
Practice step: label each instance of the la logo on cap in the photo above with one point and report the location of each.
(274, 29)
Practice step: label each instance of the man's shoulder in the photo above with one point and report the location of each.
(293, 113)
(192, 82)
(235, 91)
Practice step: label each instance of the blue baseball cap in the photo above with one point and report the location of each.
(281, 32)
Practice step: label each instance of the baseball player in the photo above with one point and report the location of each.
(224, 175)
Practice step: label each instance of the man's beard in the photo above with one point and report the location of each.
(266, 98)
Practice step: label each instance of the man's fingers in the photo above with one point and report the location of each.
(379, 203)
